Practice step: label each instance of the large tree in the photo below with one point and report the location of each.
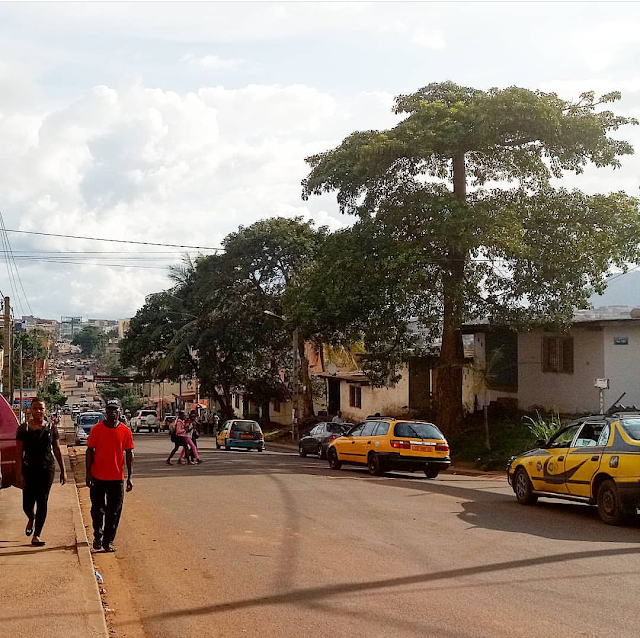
(91, 340)
(461, 190)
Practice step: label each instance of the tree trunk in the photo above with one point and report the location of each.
(305, 395)
(449, 383)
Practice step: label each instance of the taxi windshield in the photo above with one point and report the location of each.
(632, 428)
(417, 430)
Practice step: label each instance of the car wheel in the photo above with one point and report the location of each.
(334, 462)
(431, 472)
(217, 444)
(375, 464)
(609, 505)
(260, 449)
(301, 451)
(524, 488)
(320, 451)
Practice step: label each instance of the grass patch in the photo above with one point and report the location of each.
(509, 435)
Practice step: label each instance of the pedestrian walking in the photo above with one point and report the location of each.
(38, 444)
(109, 442)
(190, 427)
(177, 436)
(216, 424)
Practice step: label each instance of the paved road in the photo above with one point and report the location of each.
(271, 545)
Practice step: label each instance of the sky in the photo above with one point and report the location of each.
(177, 123)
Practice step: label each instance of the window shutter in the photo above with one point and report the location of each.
(567, 355)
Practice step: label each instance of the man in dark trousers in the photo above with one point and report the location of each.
(108, 443)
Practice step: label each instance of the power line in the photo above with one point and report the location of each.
(119, 241)
(15, 266)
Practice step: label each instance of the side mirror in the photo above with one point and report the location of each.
(541, 443)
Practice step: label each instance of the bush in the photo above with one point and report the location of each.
(543, 428)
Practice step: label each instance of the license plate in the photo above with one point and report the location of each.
(421, 448)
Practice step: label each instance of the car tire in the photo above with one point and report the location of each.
(217, 444)
(375, 464)
(431, 472)
(523, 488)
(334, 462)
(301, 452)
(260, 449)
(609, 505)
(321, 453)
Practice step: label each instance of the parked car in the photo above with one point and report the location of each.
(392, 444)
(318, 439)
(147, 419)
(593, 460)
(167, 421)
(240, 433)
(84, 423)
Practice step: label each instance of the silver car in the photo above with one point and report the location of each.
(84, 423)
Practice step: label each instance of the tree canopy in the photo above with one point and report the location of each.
(461, 219)
(91, 340)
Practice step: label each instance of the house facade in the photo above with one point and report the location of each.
(555, 370)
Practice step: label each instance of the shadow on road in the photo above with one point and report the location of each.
(483, 505)
(316, 594)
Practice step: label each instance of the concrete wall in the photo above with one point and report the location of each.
(622, 364)
(560, 392)
(391, 401)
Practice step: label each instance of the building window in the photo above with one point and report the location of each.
(236, 399)
(355, 396)
(276, 405)
(557, 354)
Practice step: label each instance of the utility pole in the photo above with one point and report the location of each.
(8, 351)
(21, 383)
(294, 388)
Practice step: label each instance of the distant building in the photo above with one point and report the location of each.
(123, 327)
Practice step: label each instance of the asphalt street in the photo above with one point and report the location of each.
(271, 545)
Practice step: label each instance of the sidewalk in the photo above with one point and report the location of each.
(48, 592)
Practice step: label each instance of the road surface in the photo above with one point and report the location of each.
(272, 545)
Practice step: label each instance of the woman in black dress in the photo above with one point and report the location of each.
(38, 444)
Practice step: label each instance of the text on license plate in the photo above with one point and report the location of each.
(422, 448)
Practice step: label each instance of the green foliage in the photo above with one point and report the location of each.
(543, 428)
(33, 349)
(92, 340)
(424, 256)
(130, 397)
(213, 320)
(52, 395)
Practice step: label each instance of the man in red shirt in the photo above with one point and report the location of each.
(108, 443)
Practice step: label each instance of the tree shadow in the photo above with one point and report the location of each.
(316, 594)
(486, 503)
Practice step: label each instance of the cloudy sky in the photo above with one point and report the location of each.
(175, 123)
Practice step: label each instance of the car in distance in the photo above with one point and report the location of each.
(593, 460)
(168, 421)
(240, 433)
(84, 423)
(385, 443)
(318, 439)
(145, 419)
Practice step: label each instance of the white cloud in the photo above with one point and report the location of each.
(212, 62)
(428, 39)
(134, 162)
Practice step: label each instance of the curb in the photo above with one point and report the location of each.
(93, 603)
(453, 470)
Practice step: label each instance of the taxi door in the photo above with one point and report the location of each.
(364, 442)
(583, 459)
(548, 473)
(346, 445)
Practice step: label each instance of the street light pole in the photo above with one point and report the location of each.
(294, 378)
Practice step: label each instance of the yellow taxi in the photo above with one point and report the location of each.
(385, 443)
(593, 460)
